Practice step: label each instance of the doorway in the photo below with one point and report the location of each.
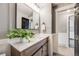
(65, 31)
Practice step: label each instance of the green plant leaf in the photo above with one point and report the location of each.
(20, 33)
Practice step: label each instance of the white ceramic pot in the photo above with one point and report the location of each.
(19, 40)
(25, 40)
(15, 40)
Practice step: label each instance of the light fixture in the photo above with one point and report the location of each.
(68, 10)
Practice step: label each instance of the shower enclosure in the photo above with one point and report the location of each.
(67, 28)
(65, 23)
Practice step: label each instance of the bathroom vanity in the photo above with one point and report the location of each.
(37, 47)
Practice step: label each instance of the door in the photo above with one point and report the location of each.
(77, 35)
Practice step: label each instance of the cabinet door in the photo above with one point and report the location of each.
(45, 50)
(38, 53)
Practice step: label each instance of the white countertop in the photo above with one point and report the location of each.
(22, 46)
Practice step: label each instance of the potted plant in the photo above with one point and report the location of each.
(20, 34)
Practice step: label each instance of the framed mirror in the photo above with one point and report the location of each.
(27, 18)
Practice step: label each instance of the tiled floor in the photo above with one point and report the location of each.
(66, 51)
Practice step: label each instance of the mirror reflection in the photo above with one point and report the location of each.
(26, 17)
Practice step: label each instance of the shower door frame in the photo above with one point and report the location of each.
(69, 39)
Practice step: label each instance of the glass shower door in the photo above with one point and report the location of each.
(71, 31)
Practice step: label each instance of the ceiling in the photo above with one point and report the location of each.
(42, 5)
(62, 4)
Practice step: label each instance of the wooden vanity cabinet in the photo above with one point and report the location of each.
(38, 49)
(45, 50)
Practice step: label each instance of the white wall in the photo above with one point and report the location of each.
(11, 16)
(7, 21)
(4, 20)
(7, 18)
(46, 16)
(61, 22)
